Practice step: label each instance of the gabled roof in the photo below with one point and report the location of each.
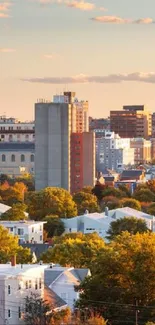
(53, 299)
(81, 273)
(130, 212)
(51, 275)
(131, 173)
(4, 208)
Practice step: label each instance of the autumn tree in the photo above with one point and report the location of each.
(12, 194)
(38, 311)
(75, 249)
(144, 195)
(17, 212)
(51, 200)
(54, 226)
(131, 203)
(98, 190)
(111, 202)
(9, 247)
(116, 192)
(85, 201)
(130, 224)
(151, 209)
(123, 274)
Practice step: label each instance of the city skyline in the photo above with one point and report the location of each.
(102, 50)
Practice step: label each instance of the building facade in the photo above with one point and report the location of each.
(99, 126)
(12, 130)
(82, 160)
(18, 282)
(142, 150)
(131, 122)
(26, 230)
(113, 152)
(17, 158)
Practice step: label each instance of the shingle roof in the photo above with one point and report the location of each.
(38, 249)
(80, 273)
(51, 275)
(53, 299)
(131, 173)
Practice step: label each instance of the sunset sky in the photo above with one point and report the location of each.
(102, 49)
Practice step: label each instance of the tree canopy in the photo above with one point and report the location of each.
(54, 226)
(51, 200)
(144, 195)
(17, 212)
(123, 275)
(85, 201)
(131, 203)
(130, 224)
(74, 249)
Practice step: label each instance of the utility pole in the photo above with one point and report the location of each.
(136, 315)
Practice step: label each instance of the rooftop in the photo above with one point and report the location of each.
(22, 222)
(7, 270)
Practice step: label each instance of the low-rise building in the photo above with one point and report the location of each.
(113, 152)
(16, 283)
(13, 130)
(100, 222)
(62, 281)
(133, 174)
(28, 231)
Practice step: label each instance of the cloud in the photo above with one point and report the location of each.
(6, 50)
(119, 20)
(81, 5)
(51, 56)
(4, 8)
(111, 78)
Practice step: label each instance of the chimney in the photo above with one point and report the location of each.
(13, 260)
(106, 211)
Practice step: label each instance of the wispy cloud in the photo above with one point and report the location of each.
(7, 50)
(4, 9)
(52, 56)
(76, 4)
(112, 78)
(119, 20)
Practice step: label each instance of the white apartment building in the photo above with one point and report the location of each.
(12, 130)
(16, 283)
(113, 152)
(28, 231)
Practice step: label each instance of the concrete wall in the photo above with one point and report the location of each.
(89, 162)
(11, 167)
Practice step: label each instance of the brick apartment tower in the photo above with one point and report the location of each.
(131, 122)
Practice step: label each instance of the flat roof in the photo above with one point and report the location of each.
(22, 222)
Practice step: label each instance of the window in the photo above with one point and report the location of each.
(2, 136)
(13, 158)
(40, 284)
(32, 229)
(11, 229)
(20, 231)
(9, 289)
(3, 158)
(30, 284)
(41, 237)
(9, 313)
(19, 286)
(19, 312)
(41, 228)
(22, 158)
(26, 285)
(32, 158)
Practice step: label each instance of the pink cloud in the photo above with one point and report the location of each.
(81, 5)
(119, 20)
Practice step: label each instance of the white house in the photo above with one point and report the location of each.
(16, 283)
(61, 282)
(100, 222)
(28, 231)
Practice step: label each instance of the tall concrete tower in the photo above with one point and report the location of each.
(52, 146)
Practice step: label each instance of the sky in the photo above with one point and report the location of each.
(102, 49)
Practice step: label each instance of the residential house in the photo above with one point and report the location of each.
(62, 281)
(28, 231)
(18, 282)
(133, 174)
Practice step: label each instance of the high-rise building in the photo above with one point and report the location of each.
(153, 125)
(99, 126)
(113, 152)
(55, 122)
(82, 160)
(142, 150)
(132, 121)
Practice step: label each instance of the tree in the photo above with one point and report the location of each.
(12, 194)
(130, 224)
(98, 191)
(151, 185)
(123, 273)
(85, 201)
(131, 203)
(109, 201)
(111, 191)
(51, 200)
(54, 226)
(151, 209)
(124, 188)
(38, 311)
(144, 195)
(17, 212)
(76, 250)
(87, 189)
(96, 320)
(9, 247)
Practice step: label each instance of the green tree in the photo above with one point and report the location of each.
(151, 209)
(76, 250)
(54, 226)
(9, 247)
(111, 191)
(123, 273)
(51, 200)
(17, 212)
(131, 203)
(87, 189)
(85, 201)
(38, 311)
(98, 190)
(144, 195)
(124, 189)
(130, 224)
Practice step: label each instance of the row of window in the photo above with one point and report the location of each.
(28, 285)
(13, 158)
(19, 313)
